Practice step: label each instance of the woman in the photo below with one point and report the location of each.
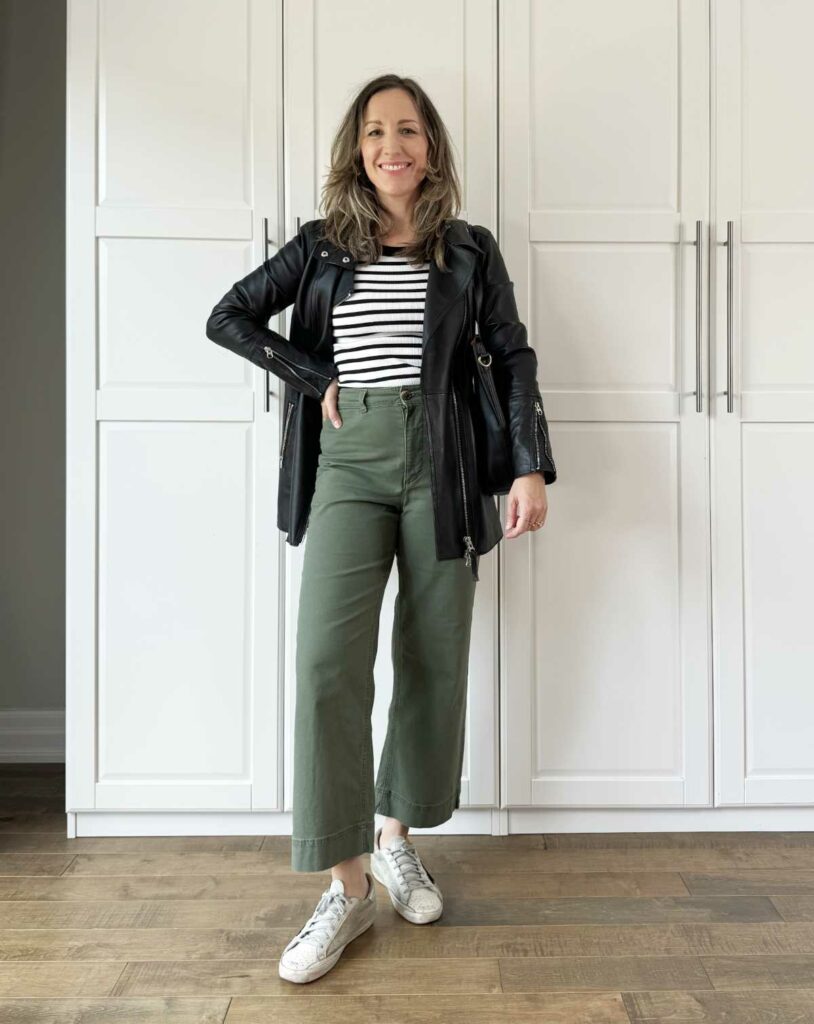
(385, 285)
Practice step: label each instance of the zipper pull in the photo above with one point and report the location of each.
(471, 557)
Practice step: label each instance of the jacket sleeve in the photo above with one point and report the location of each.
(505, 337)
(239, 321)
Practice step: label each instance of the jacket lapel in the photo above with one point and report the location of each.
(444, 288)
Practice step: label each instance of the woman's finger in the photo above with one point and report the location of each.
(333, 415)
(512, 511)
(329, 404)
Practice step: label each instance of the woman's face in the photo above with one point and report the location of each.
(392, 134)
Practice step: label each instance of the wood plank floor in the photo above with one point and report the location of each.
(684, 928)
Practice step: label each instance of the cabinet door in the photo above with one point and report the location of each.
(455, 63)
(763, 436)
(604, 174)
(172, 548)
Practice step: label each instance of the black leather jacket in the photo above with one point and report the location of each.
(313, 274)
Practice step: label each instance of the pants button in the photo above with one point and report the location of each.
(406, 394)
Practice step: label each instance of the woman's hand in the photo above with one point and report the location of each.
(526, 505)
(329, 404)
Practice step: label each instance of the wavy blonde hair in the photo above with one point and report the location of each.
(354, 219)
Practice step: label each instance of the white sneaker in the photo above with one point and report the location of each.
(413, 891)
(337, 920)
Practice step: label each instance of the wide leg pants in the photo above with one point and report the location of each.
(373, 502)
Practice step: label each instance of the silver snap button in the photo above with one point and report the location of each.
(323, 253)
(346, 259)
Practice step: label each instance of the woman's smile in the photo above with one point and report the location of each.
(396, 167)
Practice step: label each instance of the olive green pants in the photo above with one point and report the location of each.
(373, 502)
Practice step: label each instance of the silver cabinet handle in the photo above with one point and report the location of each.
(730, 398)
(698, 402)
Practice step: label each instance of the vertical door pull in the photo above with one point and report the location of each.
(698, 403)
(730, 398)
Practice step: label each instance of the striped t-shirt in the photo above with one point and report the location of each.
(378, 329)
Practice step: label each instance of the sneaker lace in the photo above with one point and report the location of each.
(409, 867)
(320, 927)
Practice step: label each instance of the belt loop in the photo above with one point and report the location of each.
(362, 399)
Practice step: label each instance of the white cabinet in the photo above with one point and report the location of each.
(650, 650)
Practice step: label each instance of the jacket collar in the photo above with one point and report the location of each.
(456, 234)
(443, 288)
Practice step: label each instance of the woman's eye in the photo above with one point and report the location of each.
(374, 130)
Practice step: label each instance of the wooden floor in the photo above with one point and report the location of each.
(562, 929)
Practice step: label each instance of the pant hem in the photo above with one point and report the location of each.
(323, 852)
(394, 805)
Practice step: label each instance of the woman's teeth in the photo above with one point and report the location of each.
(394, 168)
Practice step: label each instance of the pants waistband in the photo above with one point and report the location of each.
(399, 394)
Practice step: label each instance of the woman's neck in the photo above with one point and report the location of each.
(402, 231)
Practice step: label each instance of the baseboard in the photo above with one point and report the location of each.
(465, 821)
(30, 735)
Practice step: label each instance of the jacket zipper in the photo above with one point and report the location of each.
(538, 409)
(470, 554)
(293, 367)
(285, 432)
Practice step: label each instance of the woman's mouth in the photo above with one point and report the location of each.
(396, 167)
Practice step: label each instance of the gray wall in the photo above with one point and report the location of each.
(32, 354)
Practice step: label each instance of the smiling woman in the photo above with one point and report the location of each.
(386, 288)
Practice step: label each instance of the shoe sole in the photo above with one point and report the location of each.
(323, 966)
(413, 916)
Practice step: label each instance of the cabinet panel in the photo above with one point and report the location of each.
(763, 437)
(147, 338)
(174, 82)
(174, 664)
(622, 570)
(604, 104)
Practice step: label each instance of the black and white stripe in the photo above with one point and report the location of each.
(378, 329)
